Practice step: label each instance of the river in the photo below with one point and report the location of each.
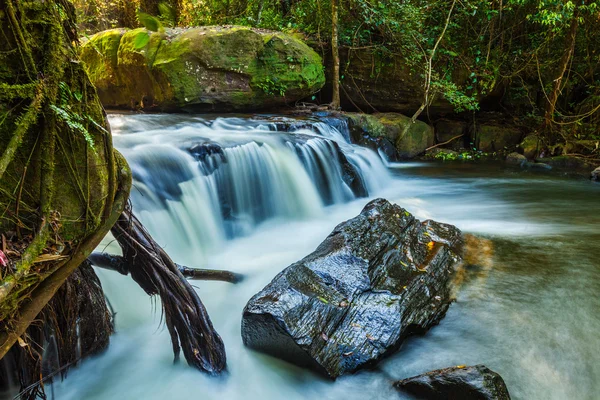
(232, 193)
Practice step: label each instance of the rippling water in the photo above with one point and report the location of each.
(532, 315)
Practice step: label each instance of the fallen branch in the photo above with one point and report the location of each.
(118, 263)
(446, 142)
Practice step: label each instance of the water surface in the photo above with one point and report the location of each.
(531, 315)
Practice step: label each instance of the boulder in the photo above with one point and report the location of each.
(516, 159)
(465, 383)
(409, 139)
(595, 175)
(203, 69)
(530, 146)
(446, 130)
(374, 280)
(491, 133)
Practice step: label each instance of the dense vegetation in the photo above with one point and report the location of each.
(539, 57)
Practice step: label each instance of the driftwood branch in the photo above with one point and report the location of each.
(118, 263)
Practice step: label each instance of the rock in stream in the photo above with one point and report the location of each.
(465, 383)
(374, 280)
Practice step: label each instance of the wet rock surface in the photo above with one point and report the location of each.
(465, 383)
(374, 280)
(595, 175)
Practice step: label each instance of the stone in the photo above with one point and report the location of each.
(374, 81)
(493, 136)
(516, 159)
(465, 383)
(409, 139)
(201, 69)
(530, 146)
(376, 279)
(595, 175)
(446, 130)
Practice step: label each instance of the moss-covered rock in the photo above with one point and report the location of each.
(530, 146)
(409, 139)
(208, 68)
(492, 135)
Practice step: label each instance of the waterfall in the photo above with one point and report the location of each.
(213, 180)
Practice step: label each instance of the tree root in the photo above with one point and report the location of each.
(185, 316)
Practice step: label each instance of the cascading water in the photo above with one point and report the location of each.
(255, 195)
(219, 179)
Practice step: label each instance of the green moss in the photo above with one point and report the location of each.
(410, 139)
(232, 68)
(100, 55)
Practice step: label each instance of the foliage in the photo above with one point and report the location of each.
(65, 111)
(495, 49)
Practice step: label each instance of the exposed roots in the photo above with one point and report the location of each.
(185, 316)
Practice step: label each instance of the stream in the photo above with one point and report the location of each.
(253, 195)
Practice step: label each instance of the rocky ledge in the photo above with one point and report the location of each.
(466, 383)
(374, 280)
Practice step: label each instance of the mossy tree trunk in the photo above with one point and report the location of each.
(62, 185)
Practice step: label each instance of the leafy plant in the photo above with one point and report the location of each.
(65, 112)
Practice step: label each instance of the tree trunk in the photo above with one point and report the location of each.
(335, 53)
(562, 69)
(63, 186)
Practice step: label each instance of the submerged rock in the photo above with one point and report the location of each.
(374, 280)
(465, 383)
(206, 68)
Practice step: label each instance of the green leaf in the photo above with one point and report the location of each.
(141, 40)
(151, 23)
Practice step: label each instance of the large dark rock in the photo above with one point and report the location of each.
(465, 383)
(374, 280)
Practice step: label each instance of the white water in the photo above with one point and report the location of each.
(501, 317)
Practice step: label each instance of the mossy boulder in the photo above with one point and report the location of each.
(203, 69)
(409, 139)
(491, 133)
(530, 146)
